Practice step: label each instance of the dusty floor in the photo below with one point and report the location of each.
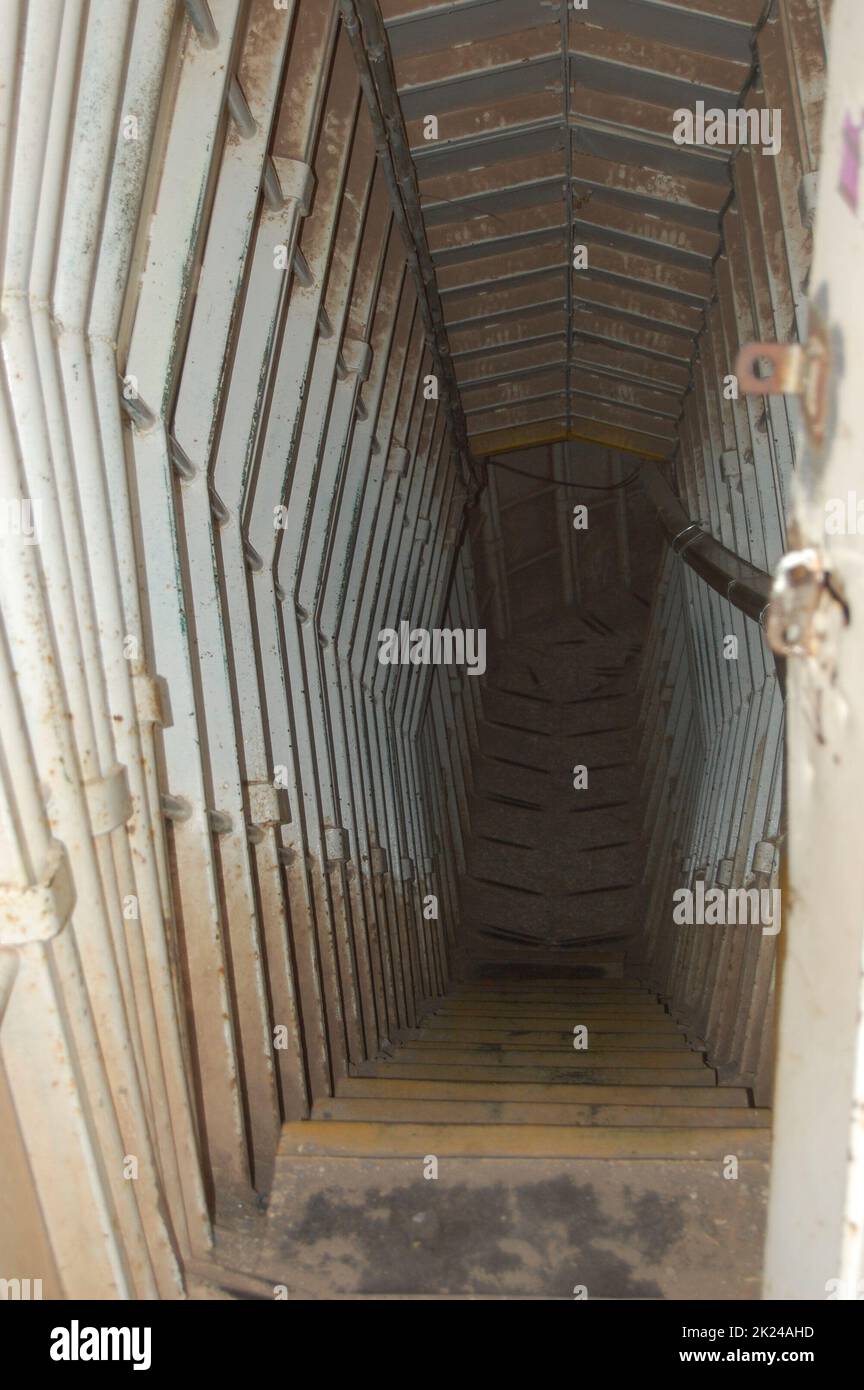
(514, 1228)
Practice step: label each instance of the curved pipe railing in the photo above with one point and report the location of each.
(745, 586)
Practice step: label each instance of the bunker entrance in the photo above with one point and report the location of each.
(396, 741)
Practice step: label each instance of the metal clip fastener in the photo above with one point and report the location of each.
(799, 583)
(691, 526)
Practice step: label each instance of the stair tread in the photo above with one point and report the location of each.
(676, 1057)
(580, 989)
(587, 960)
(537, 982)
(602, 984)
(552, 1041)
(412, 1110)
(584, 996)
(482, 1029)
(529, 1227)
(563, 1076)
(498, 1089)
(552, 1012)
(369, 1139)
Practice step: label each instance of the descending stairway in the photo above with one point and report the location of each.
(482, 1154)
(557, 1168)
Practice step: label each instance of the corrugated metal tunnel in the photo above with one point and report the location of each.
(391, 496)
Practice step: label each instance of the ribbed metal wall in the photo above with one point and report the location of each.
(712, 744)
(221, 815)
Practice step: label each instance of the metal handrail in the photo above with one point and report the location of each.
(745, 586)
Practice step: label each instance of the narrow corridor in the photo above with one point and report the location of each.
(548, 1126)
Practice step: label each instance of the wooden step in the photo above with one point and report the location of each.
(514, 1228)
(548, 988)
(499, 1090)
(358, 1139)
(552, 1042)
(557, 1021)
(551, 1012)
(583, 989)
(558, 1000)
(446, 1008)
(482, 1112)
(534, 1030)
(564, 1076)
(542, 986)
(549, 1057)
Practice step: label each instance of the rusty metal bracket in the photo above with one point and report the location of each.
(796, 370)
